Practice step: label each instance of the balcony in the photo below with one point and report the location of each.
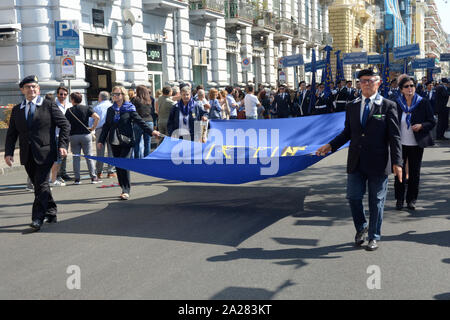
(284, 29)
(238, 13)
(204, 11)
(302, 34)
(163, 6)
(316, 36)
(263, 23)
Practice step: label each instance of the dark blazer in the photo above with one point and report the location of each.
(173, 123)
(441, 98)
(423, 114)
(125, 125)
(282, 105)
(425, 94)
(303, 102)
(41, 138)
(370, 146)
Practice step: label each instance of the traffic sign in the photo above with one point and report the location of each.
(246, 64)
(68, 67)
(67, 39)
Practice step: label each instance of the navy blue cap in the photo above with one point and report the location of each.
(28, 79)
(366, 72)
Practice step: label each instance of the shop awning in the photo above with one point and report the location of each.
(110, 67)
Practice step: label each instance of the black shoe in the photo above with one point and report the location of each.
(66, 177)
(36, 225)
(372, 246)
(411, 205)
(50, 218)
(359, 237)
(399, 205)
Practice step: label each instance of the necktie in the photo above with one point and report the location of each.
(30, 115)
(366, 112)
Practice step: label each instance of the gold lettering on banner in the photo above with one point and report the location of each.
(287, 151)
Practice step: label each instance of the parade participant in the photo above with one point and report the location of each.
(372, 126)
(118, 129)
(215, 112)
(282, 103)
(416, 122)
(323, 103)
(303, 99)
(81, 135)
(421, 86)
(442, 96)
(430, 94)
(357, 90)
(343, 96)
(101, 109)
(232, 102)
(144, 105)
(394, 91)
(183, 115)
(164, 106)
(63, 104)
(251, 103)
(34, 122)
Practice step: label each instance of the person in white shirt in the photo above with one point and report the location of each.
(104, 103)
(58, 173)
(251, 103)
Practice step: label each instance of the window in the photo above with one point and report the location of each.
(319, 18)
(307, 13)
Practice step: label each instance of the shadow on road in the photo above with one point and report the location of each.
(220, 215)
(242, 293)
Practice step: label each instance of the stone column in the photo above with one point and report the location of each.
(218, 52)
(246, 51)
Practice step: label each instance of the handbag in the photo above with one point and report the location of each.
(92, 133)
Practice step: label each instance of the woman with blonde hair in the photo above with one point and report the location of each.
(216, 110)
(118, 128)
(224, 104)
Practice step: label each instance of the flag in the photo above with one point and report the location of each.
(312, 100)
(405, 66)
(386, 78)
(328, 75)
(237, 151)
(339, 67)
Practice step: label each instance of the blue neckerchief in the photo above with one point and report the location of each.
(126, 107)
(186, 110)
(415, 102)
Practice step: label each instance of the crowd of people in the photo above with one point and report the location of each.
(125, 121)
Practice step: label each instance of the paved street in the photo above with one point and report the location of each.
(283, 238)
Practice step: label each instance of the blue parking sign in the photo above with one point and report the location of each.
(67, 39)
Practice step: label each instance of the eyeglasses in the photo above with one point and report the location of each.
(408, 86)
(31, 86)
(62, 94)
(116, 94)
(367, 81)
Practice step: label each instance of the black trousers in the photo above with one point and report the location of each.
(442, 124)
(43, 199)
(123, 175)
(412, 154)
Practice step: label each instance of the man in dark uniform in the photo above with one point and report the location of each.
(34, 122)
(372, 127)
(323, 103)
(442, 95)
(342, 97)
(394, 92)
(282, 103)
(421, 86)
(303, 99)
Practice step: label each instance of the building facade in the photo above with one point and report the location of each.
(158, 42)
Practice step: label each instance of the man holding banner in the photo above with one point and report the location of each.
(372, 127)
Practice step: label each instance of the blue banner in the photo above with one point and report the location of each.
(319, 65)
(312, 100)
(397, 67)
(328, 77)
(339, 67)
(292, 61)
(406, 51)
(240, 151)
(423, 63)
(355, 58)
(386, 74)
(445, 57)
(437, 70)
(375, 59)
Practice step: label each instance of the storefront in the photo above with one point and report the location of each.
(155, 66)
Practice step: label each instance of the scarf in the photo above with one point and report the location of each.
(186, 110)
(415, 102)
(126, 107)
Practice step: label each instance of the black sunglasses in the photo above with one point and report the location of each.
(409, 86)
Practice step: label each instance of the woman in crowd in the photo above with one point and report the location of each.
(80, 134)
(216, 111)
(143, 103)
(224, 105)
(118, 128)
(416, 122)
